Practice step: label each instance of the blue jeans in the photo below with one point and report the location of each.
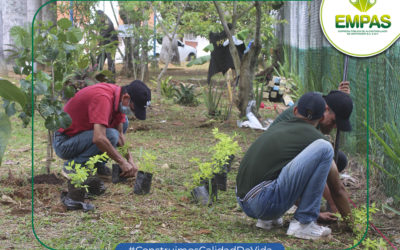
(303, 179)
(80, 148)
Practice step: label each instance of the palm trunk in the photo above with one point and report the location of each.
(49, 157)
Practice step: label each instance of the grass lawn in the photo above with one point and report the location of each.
(175, 134)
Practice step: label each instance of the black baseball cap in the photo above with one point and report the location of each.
(342, 105)
(311, 105)
(140, 96)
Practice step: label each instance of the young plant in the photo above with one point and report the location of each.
(147, 163)
(123, 150)
(258, 93)
(185, 95)
(205, 173)
(225, 147)
(81, 172)
(167, 89)
(212, 100)
(360, 222)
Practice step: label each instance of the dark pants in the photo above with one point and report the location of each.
(342, 161)
(110, 61)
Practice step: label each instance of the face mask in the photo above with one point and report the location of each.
(124, 109)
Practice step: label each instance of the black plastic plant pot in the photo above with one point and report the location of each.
(214, 187)
(229, 165)
(143, 183)
(116, 171)
(200, 195)
(76, 194)
(221, 179)
(74, 199)
(96, 185)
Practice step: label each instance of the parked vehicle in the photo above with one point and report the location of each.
(186, 52)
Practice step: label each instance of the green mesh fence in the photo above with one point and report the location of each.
(320, 68)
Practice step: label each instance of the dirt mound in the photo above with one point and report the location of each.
(13, 181)
(46, 179)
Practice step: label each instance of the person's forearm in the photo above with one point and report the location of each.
(328, 197)
(338, 192)
(121, 138)
(105, 146)
(341, 199)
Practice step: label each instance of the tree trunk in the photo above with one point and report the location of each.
(49, 156)
(248, 67)
(175, 52)
(178, 19)
(33, 7)
(249, 60)
(127, 68)
(13, 12)
(169, 50)
(3, 68)
(49, 11)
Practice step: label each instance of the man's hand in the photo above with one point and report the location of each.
(345, 87)
(128, 169)
(327, 217)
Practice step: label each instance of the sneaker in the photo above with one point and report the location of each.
(269, 224)
(310, 231)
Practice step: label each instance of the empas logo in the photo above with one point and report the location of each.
(363, 5)
(350, 29)
(357, 21)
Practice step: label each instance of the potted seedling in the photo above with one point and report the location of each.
(223, 154)
(81, 183)
(116, 169)
(147, 167)
(203, 186)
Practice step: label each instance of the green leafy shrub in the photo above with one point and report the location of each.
(167, 89)
(81, 172)
(185, 95)
(292, 78)
(205, 174)
(392, 151)
(212, 98)
(359, 225)
(223, 149)
(147, 163)
(123, 150)
(360, 216)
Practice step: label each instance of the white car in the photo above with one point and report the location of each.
(186, 52)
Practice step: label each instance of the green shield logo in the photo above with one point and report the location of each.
(363, 5)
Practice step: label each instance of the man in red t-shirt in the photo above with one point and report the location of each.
(99, 122)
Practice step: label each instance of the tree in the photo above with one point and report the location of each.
(136, 15)
(11, 95)
(249, 61)
(57, 47)
(201, 18)
(171, 13)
